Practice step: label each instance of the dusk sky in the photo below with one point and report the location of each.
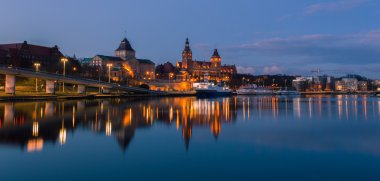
(259, 36)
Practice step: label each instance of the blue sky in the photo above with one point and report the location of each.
(259, 36)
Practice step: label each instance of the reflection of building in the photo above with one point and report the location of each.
(198, 69)
(51, 121)
(125, 63)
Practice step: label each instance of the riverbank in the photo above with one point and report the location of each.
(337, 93)
(32, 96)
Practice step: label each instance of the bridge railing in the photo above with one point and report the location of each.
(74, 79)
(52, 74)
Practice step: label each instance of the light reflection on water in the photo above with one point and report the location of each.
(280, 126)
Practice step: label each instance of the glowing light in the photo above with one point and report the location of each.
(62, 136)
(34, 145)
(35, 129)
(171, 114)
(109, 128)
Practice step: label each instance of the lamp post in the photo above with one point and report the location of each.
(109, 65)
(170, 76)
(37, 65)
(64, 60)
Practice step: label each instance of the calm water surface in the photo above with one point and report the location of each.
(245, 138)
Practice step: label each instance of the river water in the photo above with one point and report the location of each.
(185, 138)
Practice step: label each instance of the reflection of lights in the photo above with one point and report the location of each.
(177, 112)
(130, 114)
(346, 102)
(340, 105)
(41, 112)
(297, 107)
(216, 128)
(62, 133)
(108, 128)
(35, 145)
(35, 129)
(243, 109)
(157, 112)
(365, 107)
(127, 121)
(62, 136)
(248, 109)
(73, 119)
(356, 107)
(171, 114)
(310, 108)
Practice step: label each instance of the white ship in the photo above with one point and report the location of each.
(254, 90)
(209, 89)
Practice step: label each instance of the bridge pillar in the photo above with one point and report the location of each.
(50, 87)
(81, 89)
(10, 84)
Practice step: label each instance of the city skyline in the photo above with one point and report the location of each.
(259, 37)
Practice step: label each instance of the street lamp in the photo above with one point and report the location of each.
(109, 65)
(64, 60)
(37, 65)
(170, 76)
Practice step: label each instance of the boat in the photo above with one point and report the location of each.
(209, 89)
(254, 90)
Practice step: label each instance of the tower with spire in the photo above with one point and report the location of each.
(194, 70)
(216, 60)
(187, 55)
(125, 50)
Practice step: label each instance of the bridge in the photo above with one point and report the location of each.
(50, 78)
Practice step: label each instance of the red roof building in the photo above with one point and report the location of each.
(25, 55)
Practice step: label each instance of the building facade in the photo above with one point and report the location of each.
(25, 55)
(197, 70)
(347, 85)
(125, 64)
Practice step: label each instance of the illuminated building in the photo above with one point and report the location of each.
(362, 85)
(191, 68)
(125, 63)
(301, 83)
(347, 85)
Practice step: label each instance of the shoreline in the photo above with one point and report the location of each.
(45, 97)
